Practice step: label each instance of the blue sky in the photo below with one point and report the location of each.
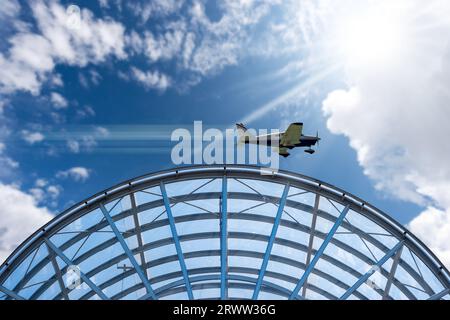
(85, 107)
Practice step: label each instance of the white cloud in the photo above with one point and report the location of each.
(103, 3)
(59, 102)
(151, 80)
(56, 80)
(9, 8)
(433, 227)
(396, 115)
(194, 43)
(32, 56)
(86, 111)
(19, 218)
(73, 145)
(38, 194)
(6, 163)
(32, 137)
(75, 173)
(40, 182)
(54, 191)
(93, 78)
(158, 8)
(83, 80)
(102, 131)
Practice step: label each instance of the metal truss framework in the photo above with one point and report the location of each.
(223, 232)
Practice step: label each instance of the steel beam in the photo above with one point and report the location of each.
(319, 253)
(58, 274)
(176, 240)
(238, 171)
(391, 276)
(67, 261)
(137, 226)
(223, 242)
(249, 217)
(128, 252)
(311, 239)
(439, 295)
(241, 216)
(372, 270)
(11, 293)
(276, 223)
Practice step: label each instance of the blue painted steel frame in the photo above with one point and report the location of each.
(176, 240)
(440, 295)
(128, 252)
(82, 275)
(319, 253)
(223, 242)
(265, 261)
(11, 293)
(366, 276)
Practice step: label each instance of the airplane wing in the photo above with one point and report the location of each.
(292, 135)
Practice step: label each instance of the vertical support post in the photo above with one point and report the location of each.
(319, 252)
(58, 274)
(128, 252)
(366, 276)
(276, 223)
(67, 261)
(390, 279)
(311, 238)
(138, 229)
(176, 241)
(223, 242)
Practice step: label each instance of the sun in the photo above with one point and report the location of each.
(370, 38)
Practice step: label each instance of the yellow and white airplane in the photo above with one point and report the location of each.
(289, 139)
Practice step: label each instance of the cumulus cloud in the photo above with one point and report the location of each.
(73, 146)
(32, 137)
(32, 56)
(9, 8)
(79, 174)
(6, 163)
(59, 102)
(151, 80)
(396, 116)
(19, 218)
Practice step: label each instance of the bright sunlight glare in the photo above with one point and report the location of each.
(370, 38)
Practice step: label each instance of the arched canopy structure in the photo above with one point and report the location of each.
(215, 232)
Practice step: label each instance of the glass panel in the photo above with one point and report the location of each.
(174, 189)
(154, 214)
(51, 292)
(24, 268)
(264, 187)
(256, 227)
(247, 245)
(148, 195)
(117, 206)
(207, 293)
(299, 195)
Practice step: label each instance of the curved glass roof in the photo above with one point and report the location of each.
(223, 233)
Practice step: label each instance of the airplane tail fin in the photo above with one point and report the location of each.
(243, 135)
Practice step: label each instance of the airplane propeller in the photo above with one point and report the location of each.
(317, 137)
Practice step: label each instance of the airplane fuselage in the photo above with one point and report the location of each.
(304, 141)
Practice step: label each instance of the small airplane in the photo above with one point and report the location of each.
(289, 139)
